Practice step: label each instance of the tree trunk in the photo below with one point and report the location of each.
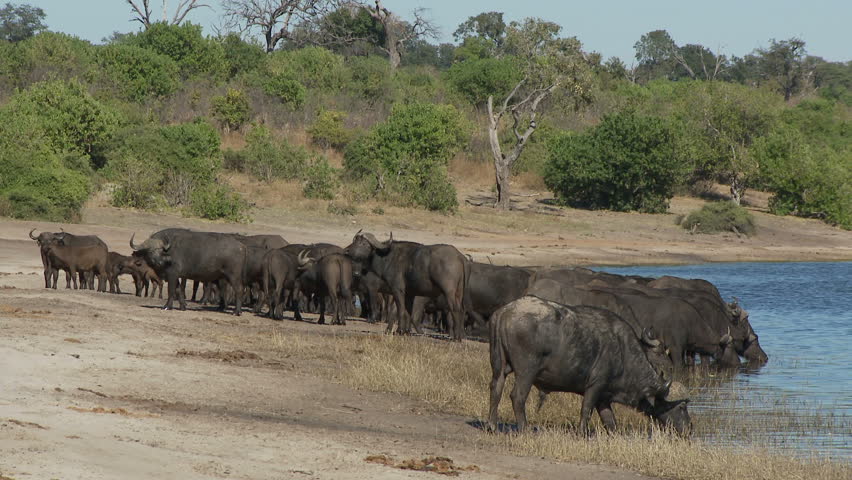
(737, 190)
(502, 171)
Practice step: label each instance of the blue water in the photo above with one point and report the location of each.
(802, 313)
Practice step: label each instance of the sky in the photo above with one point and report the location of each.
(610, 27)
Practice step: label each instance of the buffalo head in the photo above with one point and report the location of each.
(305, 260)
(155, 250)
(44, 238)
(364, 244)
(657, 353)
(667, 412)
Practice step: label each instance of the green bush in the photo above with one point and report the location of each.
(71, 119)
(267, 158)
(328, 130)
(718, 217)
(241, 56)
(406, 156)
(234, 160)
(313, 67)
(138, 73)
(475, 80)
(417, 84)
(285, 88)
(625, 163)
(148, 163)
(231, 109)
(371, 77)
(51, 54)
(41, 188)
(194, 54)
(320, 180)
(215, 201)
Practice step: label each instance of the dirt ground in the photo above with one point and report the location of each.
(97, 386)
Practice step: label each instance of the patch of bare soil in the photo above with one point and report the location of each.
(439, 465)
(233, 356)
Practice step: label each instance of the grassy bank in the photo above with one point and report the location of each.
(454, 379)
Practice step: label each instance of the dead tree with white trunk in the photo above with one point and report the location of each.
(552, 67)
(399, 32)
(142, 11)
(275, 19)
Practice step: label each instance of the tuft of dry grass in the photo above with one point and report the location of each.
(454, 378)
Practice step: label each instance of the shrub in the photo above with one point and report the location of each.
(138, 73)
(234, 160)
(475, 80)
(717, 217)
(336, 209)
(241, 56)
(371, 77)
(328, 130)
(313, 67)
(320, 180)
(285, 88)
(406, 156)
(625, 163)
(215, 201)
(138, 183)
(231, 109)
(194, 54)
(71, 119)
(268, 159)
(51, 54)
(38, 187)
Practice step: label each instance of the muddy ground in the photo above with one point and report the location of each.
(101, 386)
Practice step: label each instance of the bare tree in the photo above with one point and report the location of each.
(399, 32)
(550, 64)
(142, 11)
(274, 18)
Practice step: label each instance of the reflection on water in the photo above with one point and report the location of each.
(802, 399)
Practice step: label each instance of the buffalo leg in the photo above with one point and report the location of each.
(520, 392)
(73, 274)
(607, 417)
(400, 311)
(590, 401)
(498, 380)
(173, 288)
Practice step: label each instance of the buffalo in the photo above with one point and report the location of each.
(207, 257)
(45, 239)
(330, 278)
(413, 269)
(583, 350)
(74, 259)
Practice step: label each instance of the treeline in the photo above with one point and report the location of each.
(142, 116)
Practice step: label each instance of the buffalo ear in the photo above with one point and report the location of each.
(651, 399)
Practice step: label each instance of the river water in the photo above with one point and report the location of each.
(801, 401)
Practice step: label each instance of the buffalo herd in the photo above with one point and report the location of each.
(608, 337)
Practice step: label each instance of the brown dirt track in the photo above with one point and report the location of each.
(105, 386)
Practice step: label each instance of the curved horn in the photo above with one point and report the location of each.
(31, 234)
(377, 244)
(167, 244)
(648, 338)
(726, 338)
(133, 245)
(752, 337)
(359, 232)
(61, 229)
(664, 392)
(303, 258)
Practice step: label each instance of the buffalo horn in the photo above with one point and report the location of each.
(133, 245)
(375, 243)
(751, 337)
(648, 338)
(303, 258)
(358, 232)
(726, 338)
(167, 244)
(31, 234)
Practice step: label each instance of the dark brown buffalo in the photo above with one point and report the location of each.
(267, 242)
(76, 259)
(177, 253)
(45, 239)
(279, 271)
(413, 269)
(584, 350)
(330, 278)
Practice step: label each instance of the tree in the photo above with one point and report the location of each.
(549, 65)
(488, 26)
(398, 32)
(275, 19)
(142, 11)
(19, 22)
(783, 64)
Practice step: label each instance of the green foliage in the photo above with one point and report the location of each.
(475, 80)
(321, 180)
(807, 177)
(154, 165)
(51, 54)
(473, 48)
(416, 84)
(19, 22)
(406, 156)
(267, 158)
(138, 73)
(313, 67)
(71, 119)
(718, 217)
(371, 77)
(285, 88)
(241, 56)
(625, 163)
(194, 54)
(328, 130)
(216, 201)
(231, 109)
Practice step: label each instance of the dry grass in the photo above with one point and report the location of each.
(454, 378)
